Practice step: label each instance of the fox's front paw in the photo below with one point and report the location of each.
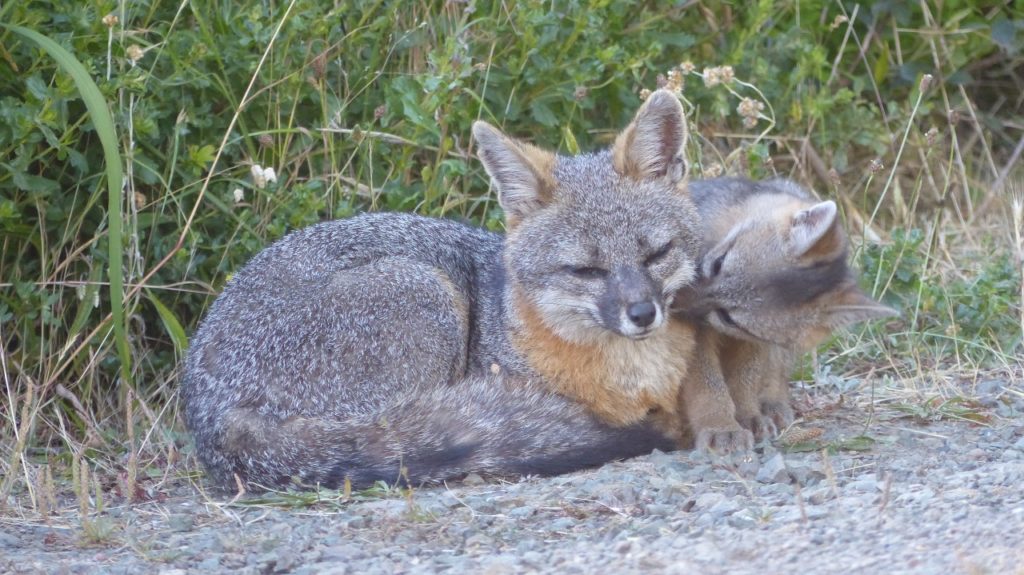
(761, 426)
(724, 439)
(779, 413)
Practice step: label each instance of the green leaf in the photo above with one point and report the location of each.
(542, 113)
(858, 443)
(36, 185)
(171, 324)
(103, 123)
(571, 145)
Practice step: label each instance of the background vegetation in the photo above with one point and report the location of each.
(909, 114)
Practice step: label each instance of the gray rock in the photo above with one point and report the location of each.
(989, 387)
(707, 500)
(977, 454)
(723, 508)
(180, 522)
(742, 520)
(344, 552)
(774, 470)
(8, 541)
(210, 564)
(865, 485)
(819, 495)
(520, 512)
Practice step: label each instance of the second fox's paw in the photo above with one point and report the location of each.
(724, 440)
(762, 426)
(779, 413)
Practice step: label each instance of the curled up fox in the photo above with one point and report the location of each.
(366, 349)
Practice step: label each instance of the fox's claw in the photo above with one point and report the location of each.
(779, 413)
(724, 440)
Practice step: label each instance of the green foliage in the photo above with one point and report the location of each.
(368, 106)
(975, 313)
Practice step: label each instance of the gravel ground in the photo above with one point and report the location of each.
(919, 496)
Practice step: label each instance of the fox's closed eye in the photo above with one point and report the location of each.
(658, 254)
(587, 272)
(716, 266)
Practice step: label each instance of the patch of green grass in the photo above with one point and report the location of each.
(940, 408)
(856, 443)
(368, 106)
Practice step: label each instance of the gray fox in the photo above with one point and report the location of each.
(773, 283)
(403, 348)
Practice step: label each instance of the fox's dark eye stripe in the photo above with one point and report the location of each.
(660, 253)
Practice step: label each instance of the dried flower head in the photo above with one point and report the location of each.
(676, 81)
(931, 135)
(711, 78)
(319, 65)
(644, 94)
(140, 200)
(718, 75)
(580, 93)
(379, 111)
(876, 166)
(727, 74)
(239, 195)
(926, 81)
(687, 67)
(712, 171)
(833, 178)
(134, 53)
(750, 109)
(110, 20)
(266, 140)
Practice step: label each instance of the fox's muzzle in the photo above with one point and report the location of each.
(631, 304)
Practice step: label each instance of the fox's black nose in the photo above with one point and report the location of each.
(642, 314)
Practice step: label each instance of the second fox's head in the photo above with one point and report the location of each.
(598, 243)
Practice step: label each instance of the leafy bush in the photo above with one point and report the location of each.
(368, 106)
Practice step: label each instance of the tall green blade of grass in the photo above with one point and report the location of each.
(104, 125)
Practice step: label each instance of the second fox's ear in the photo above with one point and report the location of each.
(852, 305)
(815, 231)
(521, 173)
(652, 145)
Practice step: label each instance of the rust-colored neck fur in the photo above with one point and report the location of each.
(618, 379)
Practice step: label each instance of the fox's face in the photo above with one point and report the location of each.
(608, 260)
(779, 275)
(598, 244)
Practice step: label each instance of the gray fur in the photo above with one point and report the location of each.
(774, 282)
(363, 349)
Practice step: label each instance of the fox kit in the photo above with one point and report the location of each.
(773, 283)
(363, 349)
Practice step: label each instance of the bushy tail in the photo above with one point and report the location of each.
(492, 426)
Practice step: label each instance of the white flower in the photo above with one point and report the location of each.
(261, 175)
(239, 195)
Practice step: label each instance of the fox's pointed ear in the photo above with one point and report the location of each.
(852, 306)
(521, 173)
(652, 145)
(815, 230)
